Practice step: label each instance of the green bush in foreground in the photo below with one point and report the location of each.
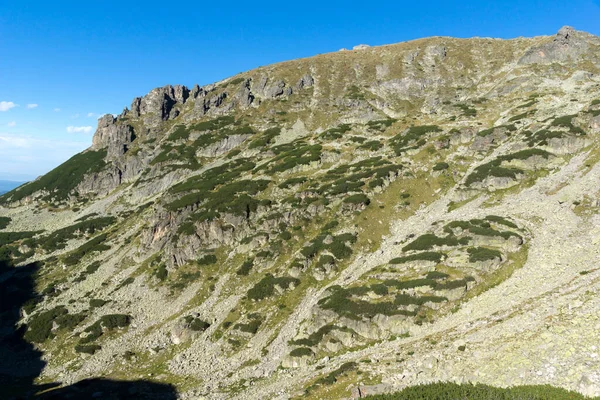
(453, 391)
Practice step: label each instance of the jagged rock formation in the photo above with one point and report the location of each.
(368, 219)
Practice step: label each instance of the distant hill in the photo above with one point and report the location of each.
(7, 186)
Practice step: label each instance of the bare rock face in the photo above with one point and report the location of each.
(305, 82)
(115, 137)
(567, 44)
(244, 96)
(160, 101)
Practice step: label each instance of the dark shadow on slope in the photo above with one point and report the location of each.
(21, 363)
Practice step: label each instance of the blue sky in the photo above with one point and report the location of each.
(64, 63)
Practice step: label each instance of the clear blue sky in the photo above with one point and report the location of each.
(64, 63)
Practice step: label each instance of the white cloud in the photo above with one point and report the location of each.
(75, 116)
(12, 123)
(25, 157)
(6, 105)
(57, 110)
(91, 115)
(79, 129)
(31, 106)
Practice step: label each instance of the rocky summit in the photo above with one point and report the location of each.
(349, 224)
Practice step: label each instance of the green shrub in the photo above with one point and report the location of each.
(87, 348)
(266, 286)
(4, 221)
(406, 141)
(302, 352)
(207, 259)
(95, 303)
(436, 275)
(39, 327)
(246, 267)
(429, 240)
(372, 145)
(424, 256)
(501, 220)
(108, 322)
(440, 166)
(381, 124)
(7, 238)
(333, 376)
(487, 132)
(467, 111)
(483, 254)
(567, 122)
(161, 272)
(196, 324)
(336, 133)
(94, 245)
(265, 139)
(252, 326)
(470, 391)
(292, 182)
(285, 235)
(58, 239)
(316, 337)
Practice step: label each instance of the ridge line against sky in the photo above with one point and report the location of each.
(69, 62)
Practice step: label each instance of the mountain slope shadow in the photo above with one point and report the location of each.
(21, 363)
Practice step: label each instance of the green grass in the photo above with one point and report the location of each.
(61, 181)
(470, 391)
(359, 198)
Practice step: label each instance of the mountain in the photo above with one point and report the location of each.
(351, 223)
(7, 186)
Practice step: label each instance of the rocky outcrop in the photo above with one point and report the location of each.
(567, 44)
(116, 138)
(160, 102)
(305, 82)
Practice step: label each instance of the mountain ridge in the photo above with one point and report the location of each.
(322, 224)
